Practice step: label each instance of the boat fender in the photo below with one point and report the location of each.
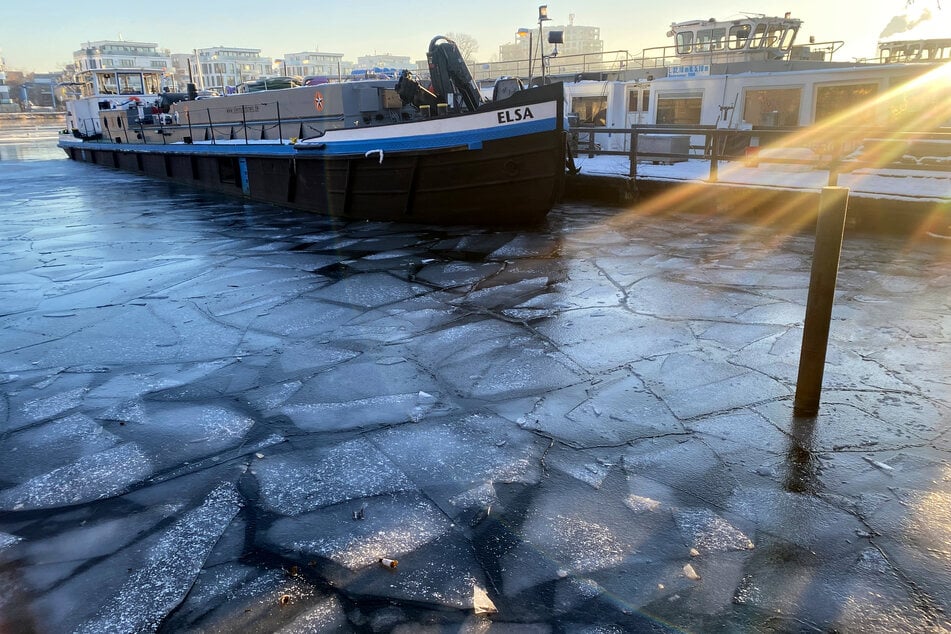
(371, 152)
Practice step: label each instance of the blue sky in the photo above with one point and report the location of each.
(43, 36)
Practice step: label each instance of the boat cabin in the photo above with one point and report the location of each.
(114, 81)
(903, 51)
(753, 38)
(105, 89)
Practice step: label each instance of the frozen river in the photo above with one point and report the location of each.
(220, 416)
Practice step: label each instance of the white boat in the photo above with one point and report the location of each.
(752, 72)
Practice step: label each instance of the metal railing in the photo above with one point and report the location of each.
(260, 122)
(854, 148)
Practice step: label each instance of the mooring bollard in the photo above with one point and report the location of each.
(830, 228)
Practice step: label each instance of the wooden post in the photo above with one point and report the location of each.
(830, 228)
(714, 167)
(632, 171)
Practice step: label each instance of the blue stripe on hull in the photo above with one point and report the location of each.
(471, 139)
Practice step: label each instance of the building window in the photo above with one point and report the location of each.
(590, 110)
(772, 107)
(833, 100)
(679, 109)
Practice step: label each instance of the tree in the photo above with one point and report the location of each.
(468, 46)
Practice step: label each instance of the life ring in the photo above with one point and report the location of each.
(318, 101)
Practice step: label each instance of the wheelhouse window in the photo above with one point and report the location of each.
(679, 109)
(710, 40)
(152, 83)
(834, 100)
(107, 84)
(591, 110)
(130, 84)
(772, 107)
(759, 35)
(684, 42)
(739, 36)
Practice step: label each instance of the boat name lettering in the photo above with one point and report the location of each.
(515, 114)
(693, 70)
(251, 108)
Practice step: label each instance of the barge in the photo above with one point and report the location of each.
(367, 150)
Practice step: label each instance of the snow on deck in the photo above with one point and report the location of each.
(901, 184)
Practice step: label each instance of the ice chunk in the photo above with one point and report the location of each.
(708, 532)
(91, 477)
(606, 338)
(176, 432)
(312, 357)
(690, 573)
(233, 597)
(607, 412)
(327, 615)
(452, 274)
(55, 559)
(394, 526)
(49, 406)
(359, 413)
(44, 447)
(7, 540)
(495, 361)
(478, 450)
(481, 603)
(291, 485)
(133, 385)
(169, 568)
(369, 290)
(505, 295)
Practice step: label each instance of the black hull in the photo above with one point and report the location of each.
(509, 181)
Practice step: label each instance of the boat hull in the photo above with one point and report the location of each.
(494, 170)
(505, 182)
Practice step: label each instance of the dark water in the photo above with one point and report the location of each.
(220, 416)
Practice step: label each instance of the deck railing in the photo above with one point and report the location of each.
(852, 148)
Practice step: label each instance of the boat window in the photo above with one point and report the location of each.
(772, 106)
(590, 110)
(704, 38)
(130, 84)
(774, 33)
(789, 36)
(637, 103)
(837, 100)
(107, 84)
(759, 35)
(739, 36)
(633, 103)
(718, 39)
(679, 109)
(684, 42)
(152, 84)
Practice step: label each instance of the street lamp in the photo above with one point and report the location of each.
(542, 17)
(522, 33)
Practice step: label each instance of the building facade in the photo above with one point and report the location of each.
(220, 67)
(121, 54)
(313, 64)
(582, 45)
